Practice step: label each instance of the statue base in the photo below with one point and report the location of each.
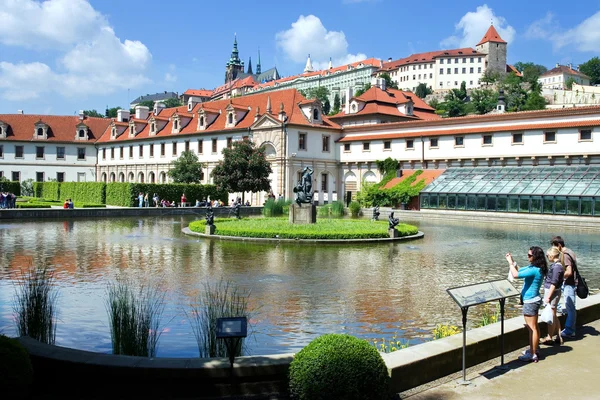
(393, 233)
(304, 214)
(209, 229)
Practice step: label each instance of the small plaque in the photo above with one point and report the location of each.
(470, 295)
(231, 327)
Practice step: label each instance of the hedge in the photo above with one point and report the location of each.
(84, 192)
(47, 190)
(11, 187)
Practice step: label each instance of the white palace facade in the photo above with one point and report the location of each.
(342, 149)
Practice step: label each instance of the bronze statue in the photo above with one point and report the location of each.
(303, 190)
(393, 221)
(210, 215)
(236, 210)
(376, 213)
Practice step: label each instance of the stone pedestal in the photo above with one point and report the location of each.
(304, 214)
(209, 229)
(393, 233)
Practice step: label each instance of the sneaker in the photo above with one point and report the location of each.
(529, 358)
(567, 335)
(527, 353)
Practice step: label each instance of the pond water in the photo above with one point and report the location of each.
(297, 292)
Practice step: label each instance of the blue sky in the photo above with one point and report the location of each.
(60, 56)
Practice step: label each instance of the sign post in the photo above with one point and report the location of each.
(479, 293)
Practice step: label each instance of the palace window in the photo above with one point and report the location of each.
(141, 150)
(1, 151)
(174, 152)
(187, 145)
(326, 143)
(347, 147)
(387, 145)
(441, 60)
(60, 153)
(324, 182)
(585, 134)
(366, 146)
(517, 138)
(214, 145)
(162, 149)
(16, 176)
(39, 152)
(81, 153)
(151, 149)
(130, 151)
(441, 71)
(18, 152)
(433, 142)
(302, 141)
(81, 134)
(40, 131)
(459, 141)
(229, 142)
(200, 150)
(112, 153)
(410, 144)
(487, 140)
(60, 176)
(549, 137)
(39, 177)
(448, 71)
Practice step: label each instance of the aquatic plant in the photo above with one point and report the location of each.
(488, 316)
(442, 331)
(390, 345)
(337, 209)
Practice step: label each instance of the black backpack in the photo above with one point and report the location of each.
(581, 287)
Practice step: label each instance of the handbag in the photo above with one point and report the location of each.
(547, 315)
(582, 287)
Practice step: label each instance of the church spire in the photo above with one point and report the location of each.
(235, 54)
(330, 63)
(258, 71)
(250, 66)
(308, 67)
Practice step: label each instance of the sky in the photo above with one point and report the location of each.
(61, 56)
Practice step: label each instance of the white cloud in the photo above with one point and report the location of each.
(541, 28)
(473, 25)
(308, 36)
(585, 37)
(170, 77)
(92, 59)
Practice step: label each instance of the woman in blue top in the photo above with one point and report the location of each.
(533, 276)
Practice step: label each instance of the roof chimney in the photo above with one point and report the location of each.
(570, 66)
(389, 59)
(557, 65)
(382, 83)
(122, 115)
(141, 112)
(158, 107)
(20, 112)
(81, 115)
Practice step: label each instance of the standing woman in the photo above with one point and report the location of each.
(533, 276)
(552, 285)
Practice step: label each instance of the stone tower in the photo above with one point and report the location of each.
(234, 66)
(495, 48)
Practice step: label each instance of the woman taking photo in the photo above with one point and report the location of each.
(552, 285)
(533, 276)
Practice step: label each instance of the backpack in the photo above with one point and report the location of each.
(581, 287)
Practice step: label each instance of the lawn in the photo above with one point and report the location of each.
(282, 229)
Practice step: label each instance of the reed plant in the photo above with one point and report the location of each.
(273, 208)
(221, 300)
(441, 331)
(324, 211)
(35, 305)
(134, 318)
(337, 209)
(393, 344)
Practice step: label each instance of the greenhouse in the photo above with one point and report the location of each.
(566, 190)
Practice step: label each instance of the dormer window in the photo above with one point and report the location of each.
(3, 130)
(176, 124)
(230, 118)
(201, 121)
(131, 130)
(40, 131)
(190, 106)
(315, 114)
(113, 133)
(81, 134)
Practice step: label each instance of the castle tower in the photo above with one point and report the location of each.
(234, 66)
(495, 48)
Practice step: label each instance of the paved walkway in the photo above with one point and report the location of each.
(575, 365)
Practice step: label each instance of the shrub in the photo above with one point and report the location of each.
(354, 209)
(337, 209)
(273, 208)
(119, 194)
(33, 205)
(11, 187)
(337, 366)
(27, 187)
(16, 372)
(323, 211)
(35, 305)
(488, 316)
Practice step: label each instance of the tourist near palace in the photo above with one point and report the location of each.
(342, 149)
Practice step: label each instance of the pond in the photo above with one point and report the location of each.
(297, 292)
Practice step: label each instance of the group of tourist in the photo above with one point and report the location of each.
(557, 275)
(68, 203)
(8, 200)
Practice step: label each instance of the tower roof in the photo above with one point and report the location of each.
(308, 67)
(491, 35)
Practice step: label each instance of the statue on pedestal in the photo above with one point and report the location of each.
(210, 216)
(376, 213)
(303, 190)
(236, 210)
(393, 221)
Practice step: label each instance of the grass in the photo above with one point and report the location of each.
(45, 203)
(323, 229)
(221, 300)
(134, 318)
(35, 305)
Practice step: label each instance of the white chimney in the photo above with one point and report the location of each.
(20, 112)
(382, 83)
(348, 95)
(158, 107)
(122, 115)
(570, 66)
(390, 59)
(81, 115)
(557, 65)
(141, 112)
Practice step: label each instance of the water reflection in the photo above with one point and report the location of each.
(297, 292)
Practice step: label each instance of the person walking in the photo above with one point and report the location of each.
(533, 276)
(552, 288)
(569, 260)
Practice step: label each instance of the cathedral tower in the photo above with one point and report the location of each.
(234, 66)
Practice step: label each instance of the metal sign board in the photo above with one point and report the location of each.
(478, 293)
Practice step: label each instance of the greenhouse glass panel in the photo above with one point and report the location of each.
(573, 206)
(524, 204)
(461, 202)
(556, 186)
(471, 202)
(476, 188)
(531, 187)
(586, 206)
(480, 203)
(509, 186)
(548, 205)
(560, 205)
(592, 189)
(459, 187)
(424, 200)
(596, 206)
(491, 203)
(513, 204)
(567, 187)
(489, 185)
(433, 201)
(536, 205)
(451, 201)
(580, 187)
(542, 187)
(502, 203)
(442, 198)
(518, 187)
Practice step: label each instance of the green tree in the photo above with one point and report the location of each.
(92, 113)
(516, 96)
(423, 90)
(389, 82)
(112, 112)
(531, 71)
(455, 101)
(326, 106)
(186, 169)
(434, 103)
(490, 76)
(362, 90)
(592, 69)
(244, 168)
(535, 101)
(483, 100)
(172, 102)
(336, 104)
(147, 103)
(569, 83)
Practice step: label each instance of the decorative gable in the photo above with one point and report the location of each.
(407, 108)
(312, 110)
(176, 123)
(40, 130)
(117, 129)
(234, 114)
(3, 130)
(356, 106)
(206, 116)
(81, 132)
(157, 124)
(135, 127)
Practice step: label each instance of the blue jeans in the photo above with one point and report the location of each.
(569, 296)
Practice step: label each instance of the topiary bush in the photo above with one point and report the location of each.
(16, 372)
(338, 366)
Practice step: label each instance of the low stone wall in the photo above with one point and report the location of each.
(60, 213)
(105, 374)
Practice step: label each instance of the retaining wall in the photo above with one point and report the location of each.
(107, 375)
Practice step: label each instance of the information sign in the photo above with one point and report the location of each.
(478, 293)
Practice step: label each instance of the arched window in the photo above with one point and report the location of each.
(131, 177)
(176, 124)
(315, 114)
(40, 132)
(151, 177)
(81, 133)
(104, 177)
(230, 118)
(112, 176)
(153, 127)
(201, 121)
(121, 177)
(141, 177)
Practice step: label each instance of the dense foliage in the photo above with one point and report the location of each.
(16, 371)
(373, 194)
(83, 192)
(592, 69)
(11, 187)
(282, 229)
(337, 366)
(354, 209)
(186, 169)
(274, 208)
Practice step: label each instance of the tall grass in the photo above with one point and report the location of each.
(134, 318)
(222, 300)
(323, 211)
(273, 208)
(35, 305)
(337, 209)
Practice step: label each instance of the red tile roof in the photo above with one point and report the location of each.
(236, 84)
(198, 92)
(491, 35)
(462, 131)
(429, 57)
(61, 128)
(511, 68)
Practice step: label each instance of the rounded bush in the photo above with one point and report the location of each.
(16, 372)
(338, 366)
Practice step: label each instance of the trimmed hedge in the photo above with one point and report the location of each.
(16, 371)
(119, 194)
(11, 187)
(83, 192)
(338, 366)
(47, 190)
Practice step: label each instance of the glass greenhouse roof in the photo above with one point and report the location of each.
(578, 180)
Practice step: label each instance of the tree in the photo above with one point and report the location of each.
(592, 69)
(244, 168)
(186, 169)
(455, 101)
(423, 90)
(490, 76)
(535, 101)
(112, 112)
(483, 100)
(337, 105)
(320, 93)
(434, 103)
(92, 113)
(172, 102)
(516, 96)
(530, 71)
(326, 106)
(389, 83)
(147, 103)
(569, 83)
(362, 90)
